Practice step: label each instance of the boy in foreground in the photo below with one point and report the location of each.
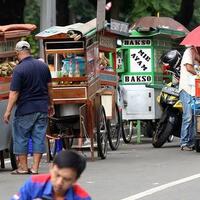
(60, 183)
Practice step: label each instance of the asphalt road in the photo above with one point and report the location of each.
(135, 171)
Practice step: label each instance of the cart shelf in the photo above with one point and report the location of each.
(7, 54)
(5, 79)
(70, 79)
(69, 51)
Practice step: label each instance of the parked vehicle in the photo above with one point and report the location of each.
(171, 119)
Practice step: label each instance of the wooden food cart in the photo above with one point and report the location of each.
(9, 36)
(83, 88)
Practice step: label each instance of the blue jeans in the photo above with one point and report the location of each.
(28, 126)
(187, 128)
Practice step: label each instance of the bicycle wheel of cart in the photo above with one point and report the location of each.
(54, 145)
(51, 150)
(127, 130)
(67, 142)
(102, 132)
(114, 129)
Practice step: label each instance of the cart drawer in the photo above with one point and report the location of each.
(69, 93)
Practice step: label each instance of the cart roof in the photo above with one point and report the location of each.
(141, 32)
(16, 30)
(85, 29)
(151, 26)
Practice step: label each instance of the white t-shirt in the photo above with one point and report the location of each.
(186, 78)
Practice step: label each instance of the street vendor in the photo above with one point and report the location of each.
(29, 92)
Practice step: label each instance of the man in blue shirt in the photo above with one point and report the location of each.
(60, 183)
(29, 92)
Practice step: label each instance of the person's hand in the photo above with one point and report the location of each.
(51, 111)
(6, 117)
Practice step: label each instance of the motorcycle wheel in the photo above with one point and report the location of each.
(163, 131)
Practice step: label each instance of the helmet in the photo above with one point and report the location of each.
(172, 59)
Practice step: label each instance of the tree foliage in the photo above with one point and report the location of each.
(32, 15)
(83, 10)
(11, 11)
(71, 11)
(167, 8)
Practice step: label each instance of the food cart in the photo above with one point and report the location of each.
(196, 113)
(141, 75)
(83, 86)
(9, 36)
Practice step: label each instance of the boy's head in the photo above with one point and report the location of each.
(66, 169)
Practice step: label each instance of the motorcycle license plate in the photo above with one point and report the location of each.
(171, 90)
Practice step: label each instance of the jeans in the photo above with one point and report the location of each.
(187, 128)
(28, 126)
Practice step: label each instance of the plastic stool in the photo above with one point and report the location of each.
(59, 145)
(30, 147)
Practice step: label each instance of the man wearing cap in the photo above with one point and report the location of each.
(29, 92)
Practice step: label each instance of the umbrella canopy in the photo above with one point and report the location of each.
(152, 22)
(193, 38)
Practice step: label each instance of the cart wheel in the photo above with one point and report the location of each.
(51, 149)
(197, 145)
(54, 145)
(67, 142)
(102, 135)
(114, 129)
(13, 159)
(127, 130)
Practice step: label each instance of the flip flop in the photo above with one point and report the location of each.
(20, 172)
(31, 171)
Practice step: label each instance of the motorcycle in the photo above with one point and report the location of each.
(171, 118)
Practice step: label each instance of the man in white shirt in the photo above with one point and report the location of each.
(191, 57)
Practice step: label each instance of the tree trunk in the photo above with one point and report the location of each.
(116, 4)
(12, 11)
(62, 16)
(185, 13)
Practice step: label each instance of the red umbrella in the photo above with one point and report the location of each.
(192, 38)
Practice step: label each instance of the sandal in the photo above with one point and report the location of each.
(20, 172)
(32, 171)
